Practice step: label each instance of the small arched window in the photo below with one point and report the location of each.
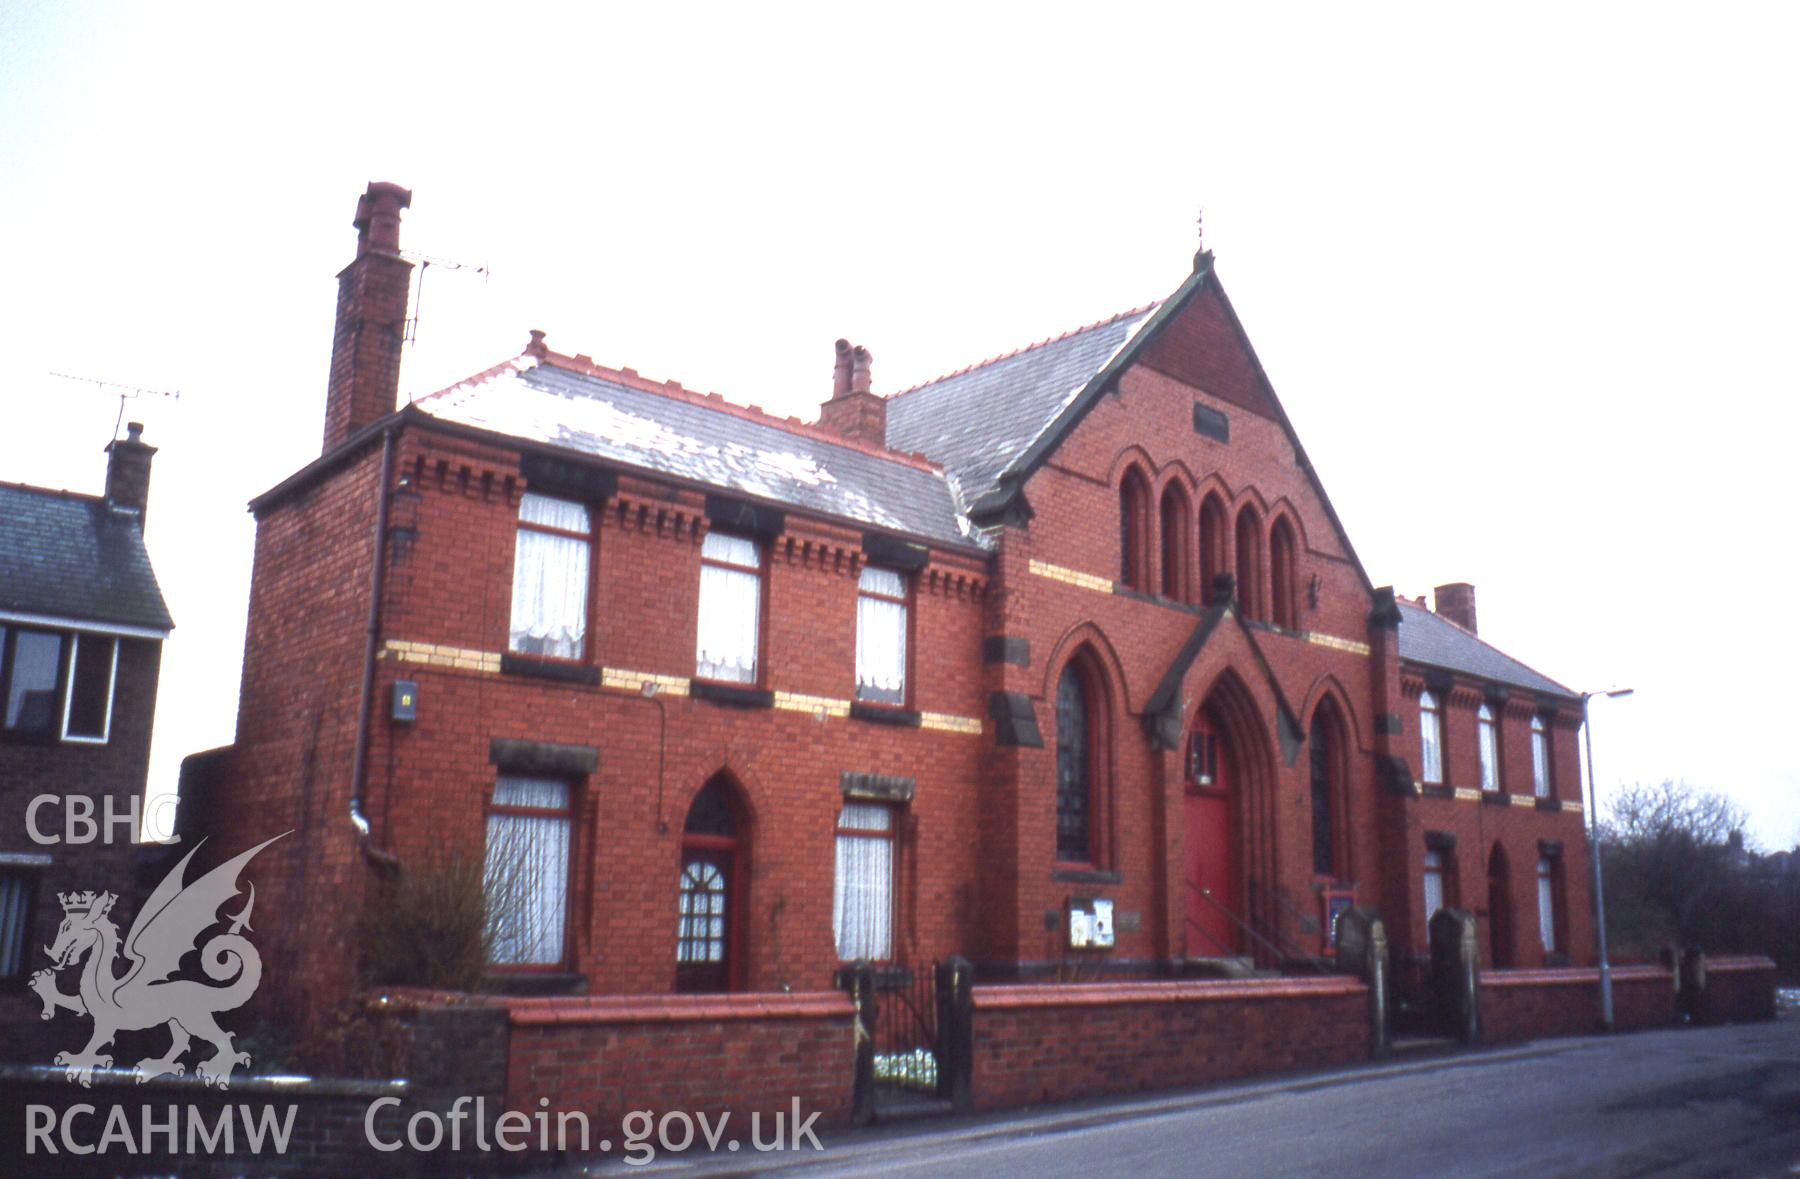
(1076, 741)
(1283, 606)
(1134, 529)
(1175, 574)
(1488, 735)
(1431, 740)
(1212, 545)
(1249, 563)
(1540, 757)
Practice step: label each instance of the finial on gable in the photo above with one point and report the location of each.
(1202, 255)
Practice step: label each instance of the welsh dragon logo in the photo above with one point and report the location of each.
(146, 994)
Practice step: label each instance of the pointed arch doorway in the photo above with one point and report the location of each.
(1210, 892)
(710, 894)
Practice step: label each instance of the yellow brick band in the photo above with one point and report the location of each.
(1464, 794)
(433, 655)
(796, 702)
(1070, 576)
(1337, 644)
(1573, 807)
(1523, 800)
(634, 681)
(944, 722)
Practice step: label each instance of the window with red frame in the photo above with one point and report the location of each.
(526, 871)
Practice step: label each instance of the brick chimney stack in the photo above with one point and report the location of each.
(128, 471)
(371, 318)
(853, 411)
(1456, 602)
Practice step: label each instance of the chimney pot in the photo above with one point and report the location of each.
(840, 373)
(859, 370)
(537, 347)
(1456, 601)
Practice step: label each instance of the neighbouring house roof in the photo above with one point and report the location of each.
(65, 555)
(695, 437)
(979, 420)
(1434, 641)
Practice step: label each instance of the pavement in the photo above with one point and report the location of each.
(1681, 1102)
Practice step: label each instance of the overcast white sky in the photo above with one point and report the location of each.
(1523, 276)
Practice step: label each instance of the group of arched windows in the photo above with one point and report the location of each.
(1265, 562)
(1488, 746)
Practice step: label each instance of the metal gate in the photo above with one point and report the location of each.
(906, 1033)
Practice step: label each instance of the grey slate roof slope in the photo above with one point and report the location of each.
(71, 556)
(977, 421)
(1437, 642)
(688, 440)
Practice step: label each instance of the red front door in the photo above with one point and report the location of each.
(1211, 883)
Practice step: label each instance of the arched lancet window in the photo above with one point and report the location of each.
(1078, 738)
(1212, 545)
(1326, 756)
(1488, 738)
(1249, 543)
(1175, 574)
(1431, 740)
(1283, 606)
(1134, 531)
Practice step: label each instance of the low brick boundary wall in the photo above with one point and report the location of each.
(1739, 990)
(739, 1054)
(1053, 1042)
(1536, 1004)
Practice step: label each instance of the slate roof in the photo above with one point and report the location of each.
(978, 420)
(71, 556)
(684, 437)
(1429, 639)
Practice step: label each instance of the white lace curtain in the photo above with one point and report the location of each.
(550, 579)
(730, 604)
(1431, 762)
(1490, 749)
(1434, 884)
(1546, 882)
(527, 873)
(862, 901)
(881, 637)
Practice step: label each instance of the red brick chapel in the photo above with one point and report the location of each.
(1062, 662)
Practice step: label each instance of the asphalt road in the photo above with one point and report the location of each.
(1689, 1102)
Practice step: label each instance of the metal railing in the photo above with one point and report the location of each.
(1282, 953)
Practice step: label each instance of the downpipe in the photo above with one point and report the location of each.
(380, 858)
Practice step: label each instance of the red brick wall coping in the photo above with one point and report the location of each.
(1573, 976)
(1745, 962)
(591, 1009)
(1112, 994)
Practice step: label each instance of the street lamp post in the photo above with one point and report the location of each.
(1593, 834)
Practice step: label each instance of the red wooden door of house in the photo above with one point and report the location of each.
(1211, 870)
(703, 943)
